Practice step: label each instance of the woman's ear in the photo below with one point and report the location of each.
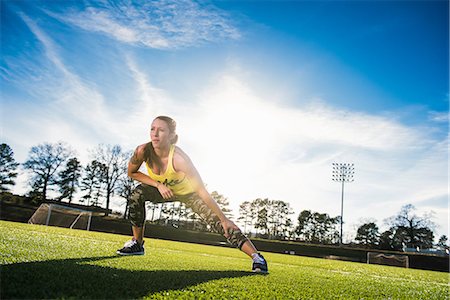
(174, 138)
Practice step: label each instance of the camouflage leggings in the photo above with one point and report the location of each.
(144, 193)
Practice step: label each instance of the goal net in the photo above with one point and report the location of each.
(388, 259)
(61, 216)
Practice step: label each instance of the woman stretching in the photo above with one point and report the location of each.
(173, 177)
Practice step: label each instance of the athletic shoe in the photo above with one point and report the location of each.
(131, 248)
(259, 264)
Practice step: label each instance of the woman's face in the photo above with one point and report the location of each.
(160, 134)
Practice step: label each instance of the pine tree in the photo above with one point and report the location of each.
(94, 177)
(8, 167)
(223, 203)
(261, 206)
(367, 235)
(246, 215)
(69, 179)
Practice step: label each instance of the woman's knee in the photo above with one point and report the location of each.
(138, 193)
(137, 206)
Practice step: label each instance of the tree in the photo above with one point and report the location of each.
(115, 162)
(69, 179)
(261, 220)
(93, 178)
(424, 238)
(261, 210)
(302, 230)
(278, 217)
(166, 212)
(246, 214)
(288, 229)
(8, 167)
(126, 186)
(223, 203)
(150, 206)
(44, 161)
(183, 213)
(386, 240)
(368, 235)
(400, 238)
(315, 227)
(443, 241)
(411, 229)
(269, 216)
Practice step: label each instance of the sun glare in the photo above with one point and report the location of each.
(235, 132)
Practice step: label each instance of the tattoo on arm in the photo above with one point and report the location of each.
(134, 159)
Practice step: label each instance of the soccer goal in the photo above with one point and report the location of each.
(388, 259)
(61, 216)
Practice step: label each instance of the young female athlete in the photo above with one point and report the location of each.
(173, 177)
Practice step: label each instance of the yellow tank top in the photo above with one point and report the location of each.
(176, 181)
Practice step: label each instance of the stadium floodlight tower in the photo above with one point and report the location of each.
(343, 172)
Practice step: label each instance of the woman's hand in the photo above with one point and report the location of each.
(165, 192)
(227, 225)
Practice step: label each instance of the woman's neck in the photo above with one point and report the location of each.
(162, 152)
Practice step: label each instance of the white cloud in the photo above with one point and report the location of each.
(150, 98)
(67, 108)
(155, 24)
(439, 116)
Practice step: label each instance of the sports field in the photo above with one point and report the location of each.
(48, 262)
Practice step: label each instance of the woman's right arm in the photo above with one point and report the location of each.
(135, 163)
(133, 171)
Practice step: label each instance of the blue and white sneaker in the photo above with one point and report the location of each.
(259, 264)
(132, 248)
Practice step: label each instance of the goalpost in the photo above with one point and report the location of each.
(62, 216)
(388, 259)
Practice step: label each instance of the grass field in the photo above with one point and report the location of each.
(49, 262)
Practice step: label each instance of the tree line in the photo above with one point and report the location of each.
(269, 217)
(406, 230)
(54, 167)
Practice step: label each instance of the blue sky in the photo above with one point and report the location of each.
(267, 94)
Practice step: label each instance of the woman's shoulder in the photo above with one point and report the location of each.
(180, 159)
(140, 150)
(179, 153)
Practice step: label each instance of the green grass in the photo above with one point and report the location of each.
(58, 263)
